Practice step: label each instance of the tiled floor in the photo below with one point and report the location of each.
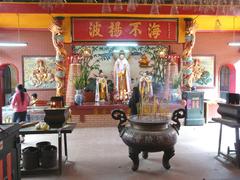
(100, 154)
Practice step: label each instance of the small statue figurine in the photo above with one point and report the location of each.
(101, 93)
(144, 62)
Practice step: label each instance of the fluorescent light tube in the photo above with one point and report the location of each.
(234, 44)
(12, 44)
(122, 44)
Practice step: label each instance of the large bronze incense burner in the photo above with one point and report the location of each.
(149, 134)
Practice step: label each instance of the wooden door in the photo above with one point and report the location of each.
(5, 86)
(224, 81)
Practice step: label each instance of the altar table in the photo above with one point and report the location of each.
(67, 128)
(232, 124)
(96, 109)
(101, 113)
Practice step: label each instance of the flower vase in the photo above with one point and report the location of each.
(175, 95)
(79, 98)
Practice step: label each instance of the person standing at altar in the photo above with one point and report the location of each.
(133, 103)
(122, 77)
(101, 94)
(19, 104)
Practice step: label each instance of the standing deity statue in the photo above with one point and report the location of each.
(146, 93)
(145, 86)
(101, 93)
(122, 77)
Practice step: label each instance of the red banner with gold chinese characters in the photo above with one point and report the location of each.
(117, 29)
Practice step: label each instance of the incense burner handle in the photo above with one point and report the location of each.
(118, 114)
(177, 114)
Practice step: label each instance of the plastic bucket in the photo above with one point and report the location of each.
(41, 145)
(30, 158)
(48, 156)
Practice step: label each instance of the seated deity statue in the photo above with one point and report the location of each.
(101, 94)
(34, 99)
(122, 77)
(41, 74)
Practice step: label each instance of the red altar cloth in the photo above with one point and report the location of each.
(94, 109)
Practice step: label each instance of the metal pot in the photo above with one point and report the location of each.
(229, 111)
(149, 134)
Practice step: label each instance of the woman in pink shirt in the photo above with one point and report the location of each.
(19, 103)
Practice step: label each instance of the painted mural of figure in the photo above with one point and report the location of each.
(197, 69)
(42, 70)
(41, 74)
(101, 93)
(122, 77)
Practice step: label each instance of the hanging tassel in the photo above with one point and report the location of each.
(118, 6)
(154, 7)
(234, 7)
(220, 8)
(48, 4)
(174, 8)
(106, 7)
(131, 7)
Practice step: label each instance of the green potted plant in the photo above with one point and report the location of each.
(87, 65)
(177, 81)
(79, 84)
(89, 91)
(175, 90)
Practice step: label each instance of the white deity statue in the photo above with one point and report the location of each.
(122, 77)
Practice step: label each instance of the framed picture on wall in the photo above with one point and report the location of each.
(38, 72)
(204, 68)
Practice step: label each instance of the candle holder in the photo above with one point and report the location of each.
(57, 102)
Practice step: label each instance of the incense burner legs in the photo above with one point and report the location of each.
(168, 154)
(141, 138)
(134, 156)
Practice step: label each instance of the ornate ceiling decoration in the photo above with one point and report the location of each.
(223, 7)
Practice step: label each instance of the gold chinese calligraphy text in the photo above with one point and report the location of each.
(135, 29)
(115, 29)
(153, 30)
(95, 29)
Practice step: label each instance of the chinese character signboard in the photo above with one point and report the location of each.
(99, 29)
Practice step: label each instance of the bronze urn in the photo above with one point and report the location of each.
(147, 134)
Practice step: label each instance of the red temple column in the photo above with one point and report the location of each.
(61, 54)
(187, 60)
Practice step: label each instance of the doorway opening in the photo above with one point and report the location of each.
(8, 82)
(227, 80)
